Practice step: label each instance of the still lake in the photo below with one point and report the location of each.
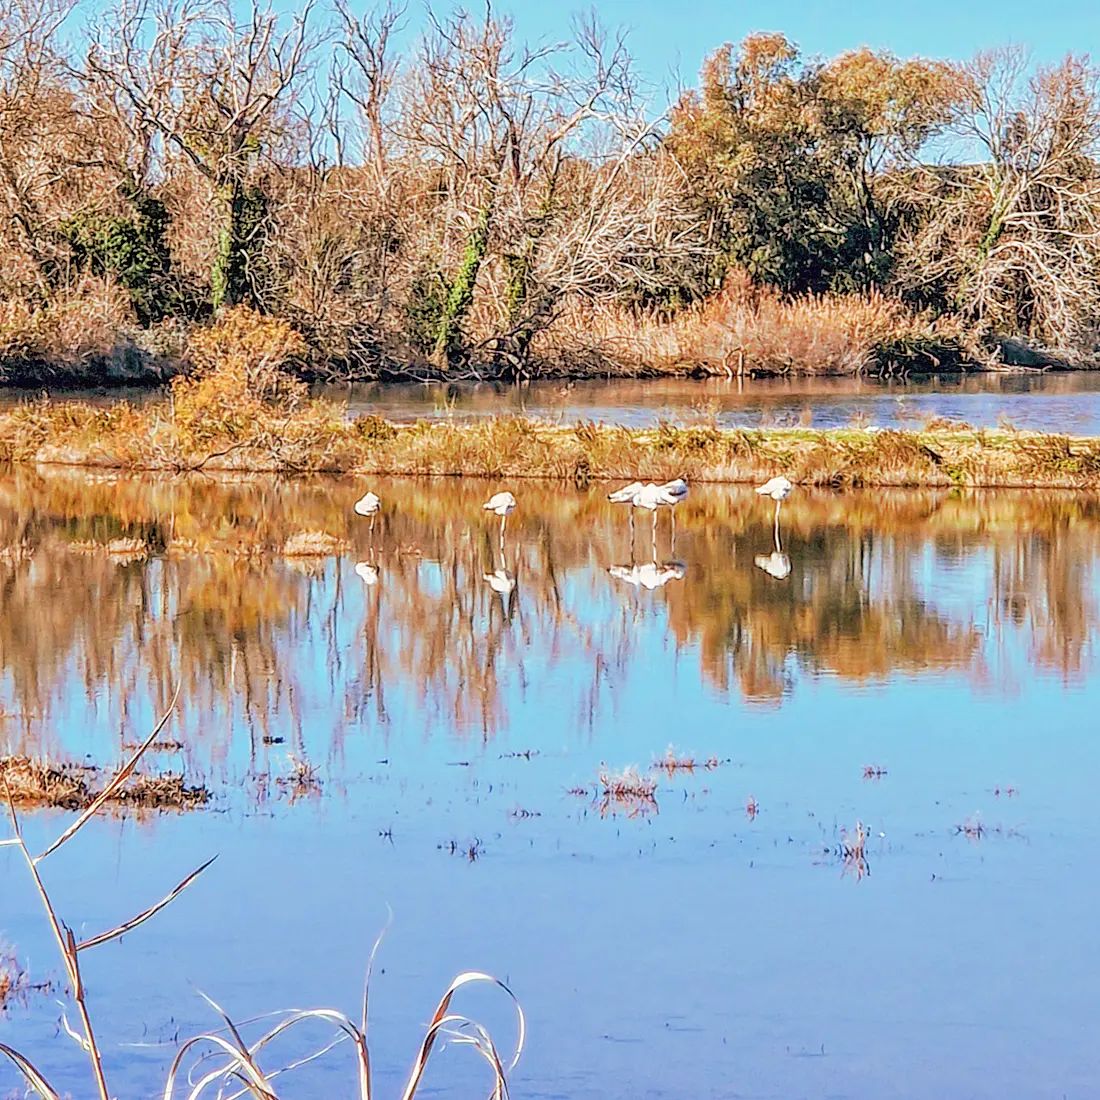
(1066, 402)
(714, 943)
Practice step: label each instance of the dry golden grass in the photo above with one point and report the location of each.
(750, 329)
(318, 438)
(242, 412)
(39, 784)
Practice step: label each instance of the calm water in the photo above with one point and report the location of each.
(1067, 402)
(684, 948)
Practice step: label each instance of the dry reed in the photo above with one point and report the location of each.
(317, 437)
(221, 1060)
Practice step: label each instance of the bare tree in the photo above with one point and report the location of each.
(1016, 237)
(199, 85)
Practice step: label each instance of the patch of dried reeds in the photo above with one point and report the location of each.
(221, 1060)
(37, 784)
(318, 437)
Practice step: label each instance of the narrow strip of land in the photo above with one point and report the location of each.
(316, 436)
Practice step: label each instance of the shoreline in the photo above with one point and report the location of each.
(156, 378)
(316, 436)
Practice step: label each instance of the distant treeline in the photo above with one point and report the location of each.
(473, 203)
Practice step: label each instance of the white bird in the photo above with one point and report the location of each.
(369, 505)
(672, 492)
(778, 488)
(649, 575)
(625, 495)
(367, 572)
(649, 497)
(503, 505)
(775, 564)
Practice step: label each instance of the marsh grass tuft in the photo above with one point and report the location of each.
(222, 1061)
(34, 784)
(302, 781)
(313, 544)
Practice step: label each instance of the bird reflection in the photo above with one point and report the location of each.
(651, 497)
(776, 564)
(367, 572)
(649, 575)
(502, 580)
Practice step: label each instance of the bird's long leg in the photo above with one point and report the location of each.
(373, 516)
(672, 527)
(632, 531)
(653, 537)
(503, 521)
(778, 505)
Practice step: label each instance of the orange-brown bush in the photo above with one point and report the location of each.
(78, 331)
(239, 369)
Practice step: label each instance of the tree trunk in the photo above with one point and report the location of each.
(233, 279)
(460, 297)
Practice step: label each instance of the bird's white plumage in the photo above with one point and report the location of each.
(778, 488)
(672, 492)
(366, 572)
(368, 504)
(501, 581)
(649, 496)
(625, 495)
(501, 504)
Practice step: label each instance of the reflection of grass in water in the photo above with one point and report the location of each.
(223, 1057)
(240, 612)
(313, 544)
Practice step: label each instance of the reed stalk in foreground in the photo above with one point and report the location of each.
(222, 1061)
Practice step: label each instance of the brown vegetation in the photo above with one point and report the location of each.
(242, 410)
(33, 784)
(479, 206)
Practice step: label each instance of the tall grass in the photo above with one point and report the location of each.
(746, 329)
(221, 1060)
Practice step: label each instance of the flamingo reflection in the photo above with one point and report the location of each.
(776, 564)
(649, 575)
(367, 572)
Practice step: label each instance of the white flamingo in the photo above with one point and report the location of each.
(503, 505)
(778, 488)
(625, 495)
(370, 504)
(649, 497)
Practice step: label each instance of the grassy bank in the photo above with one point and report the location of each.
(241, 409)
(317, 437)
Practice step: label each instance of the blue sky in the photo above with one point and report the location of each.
(670, 36)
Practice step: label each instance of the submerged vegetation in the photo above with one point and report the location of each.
(30, 783)
(470, 205)
(226, 1059)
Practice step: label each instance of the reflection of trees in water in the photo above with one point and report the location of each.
(877, 583)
